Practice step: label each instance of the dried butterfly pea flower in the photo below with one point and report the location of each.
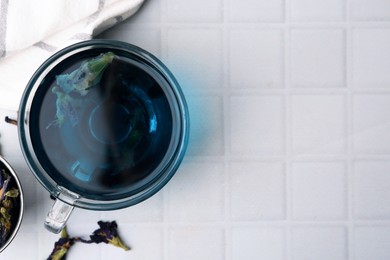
(4, 184)
(12, 193)
(107, 233)
(62, 246)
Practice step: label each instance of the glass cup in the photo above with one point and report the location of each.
(103, 125)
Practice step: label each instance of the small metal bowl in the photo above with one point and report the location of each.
(17, 211)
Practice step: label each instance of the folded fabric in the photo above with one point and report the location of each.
(31, 31)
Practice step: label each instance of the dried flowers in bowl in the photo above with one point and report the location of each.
(11, 204)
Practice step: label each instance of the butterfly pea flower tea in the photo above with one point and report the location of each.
(103, 125)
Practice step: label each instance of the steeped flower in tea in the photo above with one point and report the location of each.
(86, 76)
(66, 108)
(77, 83)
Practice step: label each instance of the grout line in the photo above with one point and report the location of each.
(288, 131)
(227, 223)
(299, 158)
(245, 223)
(226, 131)
(288, 134)
(256, 223)
(165, 242)
(165, 204)
(349, 82)
(295, 158)
(291, 90)
(270, 25)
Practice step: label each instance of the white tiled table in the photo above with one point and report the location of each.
(289, 155)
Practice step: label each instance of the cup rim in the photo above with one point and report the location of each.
(77, 200)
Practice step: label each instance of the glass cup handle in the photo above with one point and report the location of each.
(58, 216)
(60, 211)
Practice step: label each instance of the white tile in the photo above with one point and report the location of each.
(145, 243)
(149, 12)
(9, 139)
(320, 243)
(257, 125)
(318, 124)
(371, 190)
(44, 205)
(92, 251)
(256, 58)
(195, 56)
(150, 210)
(25, 241)
(196, 243)
(370, 9)
(206, 126)
(196, 193)
(372, 243)
(256, 11)
(45, 241)
(194, 10)
(317, 10)
(370, 57)
(257, 191)
(146, 38)
(371, 128)
(315, 64)
(80, 215)
(318, 190)
(252, 243)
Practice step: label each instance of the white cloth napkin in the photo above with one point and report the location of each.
(31, 31)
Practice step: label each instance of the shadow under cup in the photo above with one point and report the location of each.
(103, 125)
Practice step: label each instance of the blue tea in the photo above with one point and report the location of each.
(104, 122)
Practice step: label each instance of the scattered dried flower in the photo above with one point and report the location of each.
(107, 233)
(62, 246)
